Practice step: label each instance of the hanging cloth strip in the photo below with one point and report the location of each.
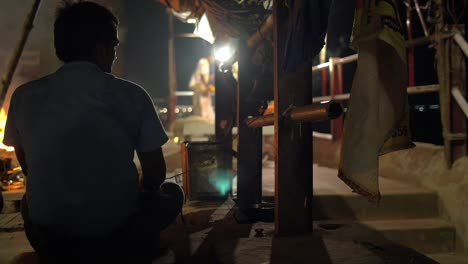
(377, 119)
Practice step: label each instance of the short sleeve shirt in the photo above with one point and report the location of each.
(79, 128)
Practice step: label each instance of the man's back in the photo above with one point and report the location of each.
(79, 128)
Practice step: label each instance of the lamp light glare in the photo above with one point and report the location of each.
(223, 54)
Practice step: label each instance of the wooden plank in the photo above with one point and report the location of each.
(293, 143)
(249, 156)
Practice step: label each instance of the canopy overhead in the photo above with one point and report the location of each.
(233, 18)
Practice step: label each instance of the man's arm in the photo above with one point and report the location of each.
(153, 167)
(20, 155)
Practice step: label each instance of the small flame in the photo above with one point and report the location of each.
(3, 118)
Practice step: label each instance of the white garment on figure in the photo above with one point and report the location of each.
(200, 84)
(79, 128)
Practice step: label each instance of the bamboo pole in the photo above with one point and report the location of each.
(462, 43)
(13, 63)
(308, 113)
(264, 31)
(460, 99)
(421, 18)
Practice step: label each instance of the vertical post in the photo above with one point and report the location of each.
(451, 70)
(249, 156)
(458, 121)
(324, 82)
(336, 87)
(172, 72)
(323, 57)
(409, 26)
(442, 73)
(293, 142)
(224, 116)
(339, 122)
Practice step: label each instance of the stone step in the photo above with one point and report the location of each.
(430, 235)
(11, 201)
(350, 207)
(420, 204)
(334, 200)
(11, 222)
(449, 258)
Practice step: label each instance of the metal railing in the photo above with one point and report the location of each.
(310, 113)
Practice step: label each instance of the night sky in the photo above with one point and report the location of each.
(146, 48)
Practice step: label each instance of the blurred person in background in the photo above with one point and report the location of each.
(202, 83)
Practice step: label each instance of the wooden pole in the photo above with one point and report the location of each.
(409, 25)
(11, 68)
(249, 156)
(172, 72)
(461, 101)
(323, 58)
(336, 88)
(457, 88)
(421, 18)
(225, 113)
(293, 143)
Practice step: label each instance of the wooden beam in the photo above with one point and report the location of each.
(293, 143)
(249, 156)
(263, 32)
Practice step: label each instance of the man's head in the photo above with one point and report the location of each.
(86, 31)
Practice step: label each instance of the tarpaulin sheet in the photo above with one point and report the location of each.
(235, 18)
(377, 119)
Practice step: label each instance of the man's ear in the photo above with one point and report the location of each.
(99, 51)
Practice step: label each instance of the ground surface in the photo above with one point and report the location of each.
(216, 232)
(213, 234)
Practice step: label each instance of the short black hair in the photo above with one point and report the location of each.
(79, 27)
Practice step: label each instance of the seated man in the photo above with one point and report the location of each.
(75, 132)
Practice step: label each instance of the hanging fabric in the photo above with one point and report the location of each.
(377, 119)
(305, 32)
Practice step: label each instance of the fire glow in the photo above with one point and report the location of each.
(3, 118)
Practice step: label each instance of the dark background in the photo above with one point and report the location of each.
(146, 59)
(146, 48)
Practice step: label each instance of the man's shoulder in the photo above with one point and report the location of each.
(34, 84)
(128, 86)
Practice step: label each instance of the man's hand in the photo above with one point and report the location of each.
(153, 167)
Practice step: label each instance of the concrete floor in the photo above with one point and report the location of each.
(214, 234)
(326, 182)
